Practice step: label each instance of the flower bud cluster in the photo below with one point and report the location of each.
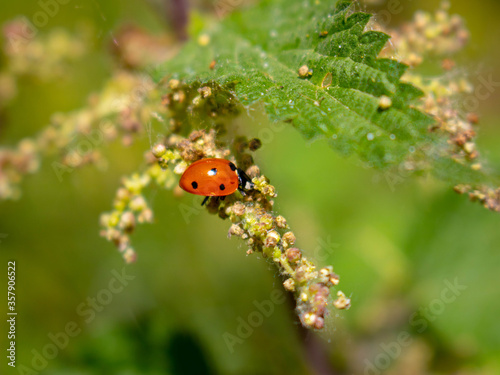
(190, 105)
(125, 103)
(47, 56)
(130, 208)
(489, 197)
(428, 34)
(441, 35)
(14, 164)
(269, 234)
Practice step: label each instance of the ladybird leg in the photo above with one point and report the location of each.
(222, 198)
(245, 181)
(205, 200)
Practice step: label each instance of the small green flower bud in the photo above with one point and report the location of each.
(267, 221)
(179, 96)
(288, 239)
(119, 205)
(146, 216)
(253, 171)
(289, 285)
(138, 203)
(197, 101)
(277, 255)
(174, 83)
(334, 279)
(319, 289)
(159, 150)
(205, 91)
(319, 304)
(235, 230)
(300, 274)
(280, 222)
(129, 255)
(123, 194)
(325, 272)
(342, 302)
(328, 277)
(272, 239)
(104, 220)
(308, 319)
(319, 323)
(238, 209)
(127, 222)
(114, 219)
(293, 254)
(180, 168)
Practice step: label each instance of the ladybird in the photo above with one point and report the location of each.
(214, 177)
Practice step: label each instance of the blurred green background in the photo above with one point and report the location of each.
(395, 247)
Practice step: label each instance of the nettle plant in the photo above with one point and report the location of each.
(325, 69)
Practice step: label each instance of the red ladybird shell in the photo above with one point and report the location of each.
(210, 177)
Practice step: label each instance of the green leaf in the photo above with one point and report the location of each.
(258, 53)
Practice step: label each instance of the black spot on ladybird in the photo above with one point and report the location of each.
(194, 184)
(222, 187)
(212, 172)
(232, 166)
